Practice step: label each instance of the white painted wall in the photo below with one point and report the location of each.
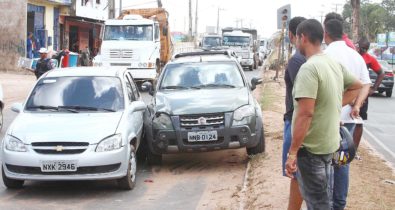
(92, 10)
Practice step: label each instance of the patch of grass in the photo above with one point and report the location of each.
(269, 96)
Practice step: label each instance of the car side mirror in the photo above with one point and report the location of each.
(254, 82)
(137, 106)
(147, 86)
(16, 107)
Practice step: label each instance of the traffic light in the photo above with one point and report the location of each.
(283, 14)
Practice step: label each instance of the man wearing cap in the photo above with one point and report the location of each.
(43, 64)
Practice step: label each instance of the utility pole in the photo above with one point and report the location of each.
(219, 9)
(111, 9)
(356, 7)
(190, 20)
(120, 7)
(196, 20)
(159, 3)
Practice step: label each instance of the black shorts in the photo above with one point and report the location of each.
(363, 112)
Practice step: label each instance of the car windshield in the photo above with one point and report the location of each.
(212, 41)
(236, 40)
(202, 75)
(128, 32)
(77, 94)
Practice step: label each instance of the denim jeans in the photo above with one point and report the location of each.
(287, 142)
(314, 175)
(341, 179)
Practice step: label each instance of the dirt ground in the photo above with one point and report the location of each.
(372, 183)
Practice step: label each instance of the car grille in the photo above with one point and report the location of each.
(121, 54)
(60, 148)
(202, 120)
(80, 170)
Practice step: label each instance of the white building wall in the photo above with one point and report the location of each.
(92, 9)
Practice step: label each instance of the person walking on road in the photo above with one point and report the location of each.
(43, 64)
(371, 62)
(295, 198)
(354, 63)
(321, 87)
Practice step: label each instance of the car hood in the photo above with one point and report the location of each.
(61, 127)
(180, 102)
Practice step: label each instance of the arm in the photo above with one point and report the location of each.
(303, 120)
(380, 77)
(352, 92)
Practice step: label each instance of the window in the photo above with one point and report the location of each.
(134, 87)
(129, 89)
(84, 2)
(157, 32)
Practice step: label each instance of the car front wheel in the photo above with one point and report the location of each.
(260, 147)
(129, 181)
(11, 183)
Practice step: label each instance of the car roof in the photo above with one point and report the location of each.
(86, 71)
(204, 56)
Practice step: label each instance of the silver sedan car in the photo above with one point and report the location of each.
(76, 124)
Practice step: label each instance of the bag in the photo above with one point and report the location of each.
(346, 152)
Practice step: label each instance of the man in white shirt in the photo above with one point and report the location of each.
(354, 63)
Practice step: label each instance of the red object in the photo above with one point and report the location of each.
(389, 74)
(149, 180)
(348, 41)
(65, 61)
(371, 62)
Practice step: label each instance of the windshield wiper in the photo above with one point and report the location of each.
(215, 85)
(174, 87)
(42, 107)
(88, 108)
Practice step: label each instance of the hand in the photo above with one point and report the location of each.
(371, 91)
(290, 167)
(355, 112)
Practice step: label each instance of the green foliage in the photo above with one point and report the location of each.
(374, 18)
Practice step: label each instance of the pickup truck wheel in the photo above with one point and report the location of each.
(388, 93)
(129, 181)
(11, 183)
(260, 147)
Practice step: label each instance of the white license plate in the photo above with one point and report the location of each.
(202, 136)
(58, 166)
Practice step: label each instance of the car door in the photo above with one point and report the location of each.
(135, 119)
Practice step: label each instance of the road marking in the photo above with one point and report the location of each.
(379, 143)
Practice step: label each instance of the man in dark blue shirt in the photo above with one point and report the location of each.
(295, 198)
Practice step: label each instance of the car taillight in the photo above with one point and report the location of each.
(389, 74)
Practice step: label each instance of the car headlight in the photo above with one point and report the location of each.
(162, 121)
(110, 143)
(14, 144)
(243, 115)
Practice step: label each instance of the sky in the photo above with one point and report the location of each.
(258, 14)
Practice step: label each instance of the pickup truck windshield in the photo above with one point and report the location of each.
(236, 41)
(86, 93)
(202, 75)
(128, 32)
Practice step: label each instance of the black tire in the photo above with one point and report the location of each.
(129, 181)
(158, 67)
(153, 159)
(260, 147)
(11, 183)
(388, 93)
(141, 153)
(381, 91)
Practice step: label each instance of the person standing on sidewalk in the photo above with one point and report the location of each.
(43, 64)
(354, 63)
(295, 198)
(371, 62)
(321, 87)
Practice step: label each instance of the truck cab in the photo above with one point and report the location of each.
(211, 42)
(242, 44)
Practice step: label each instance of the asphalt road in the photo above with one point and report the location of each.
(184, 181)
(380, 126)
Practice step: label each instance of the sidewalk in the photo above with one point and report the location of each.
(372, 182)
(16, 87)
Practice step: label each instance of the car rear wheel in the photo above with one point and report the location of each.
(129, 181)
(388, 93)
(11, 183)
(260, 147)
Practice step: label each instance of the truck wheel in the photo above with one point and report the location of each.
(129, 181)
(11, 183)
(260, 147)
(388, 93)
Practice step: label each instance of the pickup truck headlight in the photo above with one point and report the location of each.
(162, 122)
(14, 144)
(110, 143)
(243, 115)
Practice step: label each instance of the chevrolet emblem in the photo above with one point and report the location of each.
(202, 121)
(59, 148)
